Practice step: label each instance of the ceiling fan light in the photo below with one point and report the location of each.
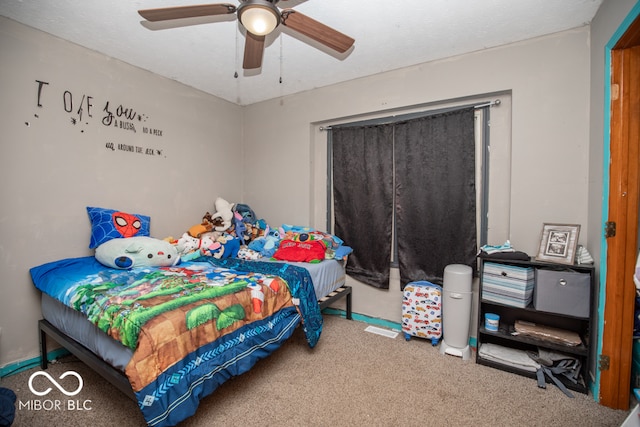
(258, 18)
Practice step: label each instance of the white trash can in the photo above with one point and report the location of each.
(456, 310)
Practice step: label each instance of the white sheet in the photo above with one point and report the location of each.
(327, 275)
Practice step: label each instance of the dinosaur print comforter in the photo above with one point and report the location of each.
(192, 326)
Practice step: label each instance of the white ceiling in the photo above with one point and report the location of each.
(205, 53)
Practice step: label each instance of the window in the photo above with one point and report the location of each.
(377, 168)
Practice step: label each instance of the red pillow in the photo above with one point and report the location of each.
(291, 250)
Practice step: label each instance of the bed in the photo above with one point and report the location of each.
(169, 336)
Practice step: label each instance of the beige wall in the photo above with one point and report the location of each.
(542, 135)
(56, 168)
(51, 169)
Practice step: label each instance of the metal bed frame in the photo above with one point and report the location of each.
(116, 377)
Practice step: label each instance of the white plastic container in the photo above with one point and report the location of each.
(457, 297)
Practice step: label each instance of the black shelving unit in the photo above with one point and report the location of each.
(509, 314)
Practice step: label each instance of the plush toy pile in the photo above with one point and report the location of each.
(121, 240)
(234, 230)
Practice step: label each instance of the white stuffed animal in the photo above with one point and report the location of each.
(187, 244)
(204, 245)
(224, 212)
(137, 251)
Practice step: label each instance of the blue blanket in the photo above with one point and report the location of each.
(300, 285)
(123, 304)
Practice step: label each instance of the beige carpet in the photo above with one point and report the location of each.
(351, 378)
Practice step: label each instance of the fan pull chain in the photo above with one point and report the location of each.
(235, 74)
(281, 37)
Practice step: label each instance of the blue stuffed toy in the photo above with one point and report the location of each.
(246, 213)
(229, 247)
(241, 229)
(268, 244)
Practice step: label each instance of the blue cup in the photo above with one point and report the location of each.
(491, 322)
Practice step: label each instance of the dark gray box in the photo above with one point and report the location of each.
(563, 292)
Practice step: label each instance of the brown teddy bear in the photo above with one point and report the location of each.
(207, 225)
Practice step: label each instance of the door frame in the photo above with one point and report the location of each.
(622, 196)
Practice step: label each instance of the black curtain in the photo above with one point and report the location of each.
(435, 194)
(363, 194)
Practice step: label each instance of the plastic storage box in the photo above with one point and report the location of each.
(508, 284)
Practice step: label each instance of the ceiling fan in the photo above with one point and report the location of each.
(259, 18)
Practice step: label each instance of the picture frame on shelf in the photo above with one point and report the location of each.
(558, 243)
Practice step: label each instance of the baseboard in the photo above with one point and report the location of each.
(23, 365)
(394, 326)
(366, 319)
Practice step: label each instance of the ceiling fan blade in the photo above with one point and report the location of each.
(316, 30)
(253, 51)
(180, 12)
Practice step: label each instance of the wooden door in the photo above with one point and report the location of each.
(624, 197)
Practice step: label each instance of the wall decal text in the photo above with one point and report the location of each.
(82, 107)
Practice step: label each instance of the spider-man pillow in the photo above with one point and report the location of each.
(107, 224)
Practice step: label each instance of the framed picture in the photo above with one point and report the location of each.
(558, 243)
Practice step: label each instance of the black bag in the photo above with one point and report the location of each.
(7, 407)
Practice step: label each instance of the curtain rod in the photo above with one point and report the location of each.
(487, 104)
